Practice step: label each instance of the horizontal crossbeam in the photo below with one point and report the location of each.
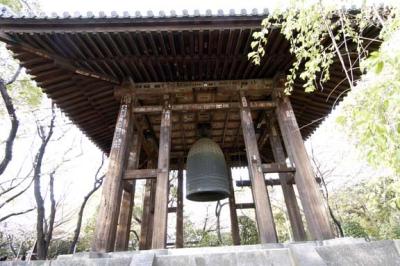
(159, 88)
(245, 206)
(269, 182)
(140, 174)
(259, 105)
(269, 168)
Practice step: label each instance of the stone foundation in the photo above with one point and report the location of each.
(343, 251)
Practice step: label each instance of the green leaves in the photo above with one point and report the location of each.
(370, 208)
(25, 94)
(13, 4)
(378, 67)
(372, 109)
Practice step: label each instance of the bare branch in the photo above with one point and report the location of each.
(13, 186)
(16, 195)
(15, 76)
(15, 214)
(97, 183)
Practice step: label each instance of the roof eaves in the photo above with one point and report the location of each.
(5, 12)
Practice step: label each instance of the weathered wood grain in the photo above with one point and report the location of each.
(264, 217)
(104, 236)
(310, 196)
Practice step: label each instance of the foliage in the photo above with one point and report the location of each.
(354, 229)
(370, 209)
(282, 225)
(18, 243)
(319, 32)
(248, 231)
(85, 240)
(58, 247)
(24, 92)
(371, 114)
(13, 4)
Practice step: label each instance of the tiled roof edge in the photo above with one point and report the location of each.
(5, 12)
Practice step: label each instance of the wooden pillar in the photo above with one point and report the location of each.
(232, 209)
(107, 220)
(264, 217)
(299, 234)
(162, 187)
(146, 229)
(179, 209)
(311, 198)
(128, 197)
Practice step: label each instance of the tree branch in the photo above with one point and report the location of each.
(40, 230)
(15, 214)
(97, 183)
(13, 119)
(16, 195)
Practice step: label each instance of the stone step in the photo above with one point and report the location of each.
(338, 252)
(256, 257)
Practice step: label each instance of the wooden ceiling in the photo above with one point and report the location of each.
(78, 62)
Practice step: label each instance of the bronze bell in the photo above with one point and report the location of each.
(206, 174)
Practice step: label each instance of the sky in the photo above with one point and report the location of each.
(75, 179)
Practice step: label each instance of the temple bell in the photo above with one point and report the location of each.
(207, 174)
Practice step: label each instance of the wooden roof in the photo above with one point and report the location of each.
(78, 62)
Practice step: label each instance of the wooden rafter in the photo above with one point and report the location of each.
(58, 60)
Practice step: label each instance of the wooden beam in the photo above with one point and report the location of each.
(171, 209)
(281, 167)
(264, 217)
(128, 197)
(179, 208)
(196, 107)
(182, 129)
(161, 201)
(106, 226)
(293, 210)
(271, 182)
(163, 59)
(160, 88)
(311, 198)
(245, 206)
(226, 123)
(140, 174)
(146, 227)
(232, 211)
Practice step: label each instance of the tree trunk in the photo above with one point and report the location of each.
(42, 246)
(14, 126)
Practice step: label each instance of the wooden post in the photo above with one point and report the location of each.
(146, 228)
(128, 197)
(232, 209)
(311, 198)
(264, 217)
(179, 209)
(161, 201)
(106, 226)
(299, 234)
